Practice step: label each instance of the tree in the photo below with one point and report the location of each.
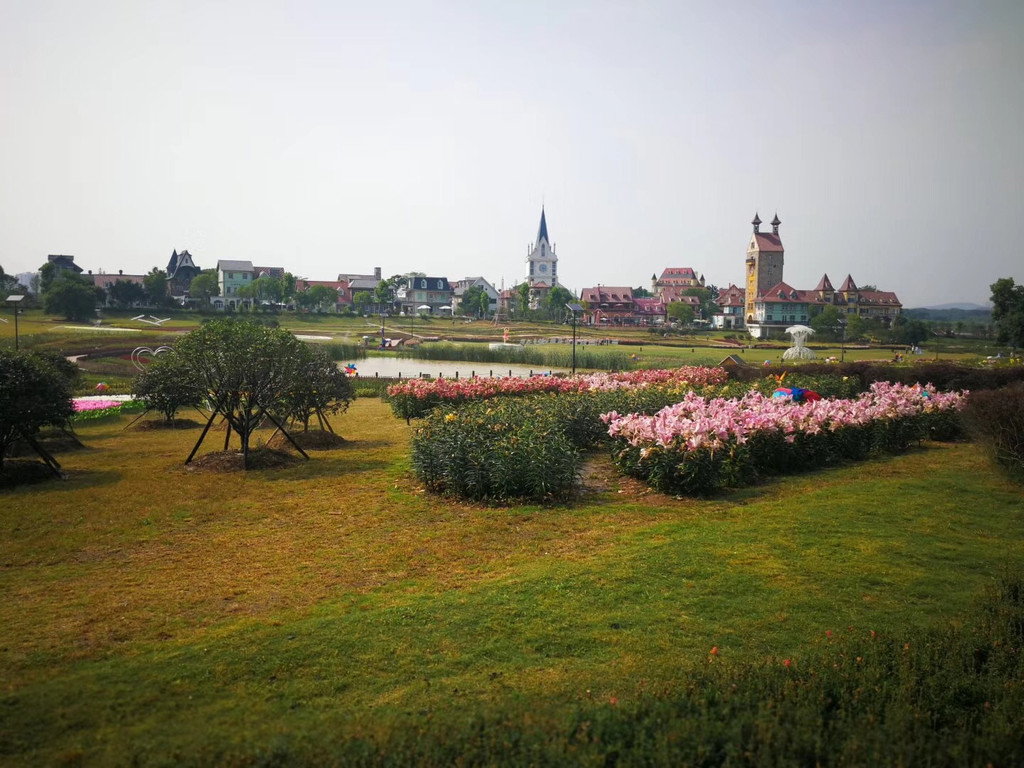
(384, 293)
(828, 323)
(681, 312)
(555, 301)
(475, 302)
(34, 393)
(362, 300)
(523, 292)
(166, 385)
(155, 286)
(125, 293)
(323, 297)
(47, 274)
(267, 288)
(204, 286)
(71, 296)
(321, 388)
(641, 293)
(706, 302)
(1008, 312)
(856, 327)
(288, 285)
(246, 370)
(909, 332)
(9, 284)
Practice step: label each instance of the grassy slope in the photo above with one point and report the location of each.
(155, 612)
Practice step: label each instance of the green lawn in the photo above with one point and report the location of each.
(169, 616)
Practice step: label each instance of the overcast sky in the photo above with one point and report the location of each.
(332, 137)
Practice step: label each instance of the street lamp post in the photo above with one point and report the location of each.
(15, 299)
(574, 308)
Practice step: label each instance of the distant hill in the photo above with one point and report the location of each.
(960, 305)
(951, 313)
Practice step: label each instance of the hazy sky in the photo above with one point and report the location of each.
(332, 137)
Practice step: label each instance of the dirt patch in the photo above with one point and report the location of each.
(313, 440)
(20, 472)
(52, 441)
(159, 424)
(232, 461)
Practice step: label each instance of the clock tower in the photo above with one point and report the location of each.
(541, 261)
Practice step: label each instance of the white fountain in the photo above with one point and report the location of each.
(799, 351)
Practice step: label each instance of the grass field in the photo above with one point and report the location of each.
(166, 616)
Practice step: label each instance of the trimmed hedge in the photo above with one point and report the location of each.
(996, 419)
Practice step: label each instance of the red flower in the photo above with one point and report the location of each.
(714, 651)
(828, 633)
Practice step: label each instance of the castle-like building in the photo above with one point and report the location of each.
(771, 304)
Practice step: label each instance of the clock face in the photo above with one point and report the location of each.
(543, 268)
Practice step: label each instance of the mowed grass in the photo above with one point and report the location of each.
(164, 615)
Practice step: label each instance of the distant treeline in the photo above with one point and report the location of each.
(979, 316)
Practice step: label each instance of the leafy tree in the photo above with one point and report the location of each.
(323, 297)
(909, 332)
(155, 286)
(289, 284)
(555, 301)
(868, 287)
(167, 384)
(246, 370)
(34, 393)
(1008, 312)
(320, 388)
(384, 293)
(641, 293)
(362, 300)
(47, 274)
(681, 312)
(828, 323)
(71, 296)
(704, 295)
(856, 328)
(9, 284)
(267, 288)
(204, 286)
(523, 291)
(469, 303)
(124, 293)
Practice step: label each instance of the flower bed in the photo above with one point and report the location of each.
(92, 408)
(415, 398)
(701, 445)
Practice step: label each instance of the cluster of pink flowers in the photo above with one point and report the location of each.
(697, 423)
(481, 388)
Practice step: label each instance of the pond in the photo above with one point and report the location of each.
(407, 368)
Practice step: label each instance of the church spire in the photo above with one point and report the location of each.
(775, 224)
(542, 233)
(757, 223)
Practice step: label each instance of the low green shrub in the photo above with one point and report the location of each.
(996, 419)
(499, 450)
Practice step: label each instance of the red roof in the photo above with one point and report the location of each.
(879, 297)
(766, 242)
(678, 276)
(848, 285)
(785, 293)
(608, 294)
(731, 297)
(824, 284)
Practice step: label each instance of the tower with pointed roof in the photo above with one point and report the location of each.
(541, 260)
(765, 257)
(541, 264)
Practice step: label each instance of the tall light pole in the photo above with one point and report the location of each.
(15, 299)
(574, 308)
